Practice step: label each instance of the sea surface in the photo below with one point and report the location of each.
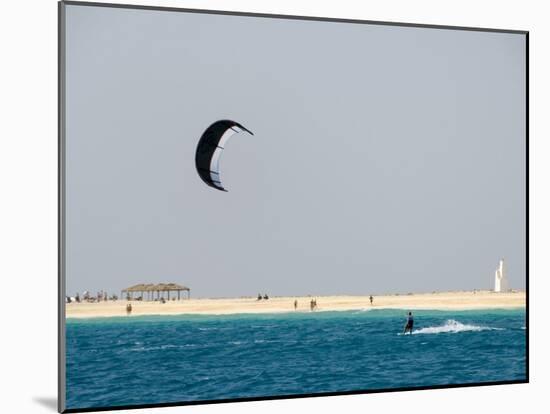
(159, 359)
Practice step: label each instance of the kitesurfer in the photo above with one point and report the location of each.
(409, 324)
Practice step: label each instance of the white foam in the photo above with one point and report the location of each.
(153, 348)
(361, 310)
(452, 326)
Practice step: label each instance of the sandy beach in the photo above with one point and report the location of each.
(439, 301)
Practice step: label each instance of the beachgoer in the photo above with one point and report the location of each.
(128, 308)
(371, 299)
(311, 304)
(295, 304)
(259, 296)
(409, 325)
(266, 297)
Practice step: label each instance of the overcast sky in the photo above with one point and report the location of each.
(385, 159)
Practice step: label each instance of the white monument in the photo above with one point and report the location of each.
(501, 282)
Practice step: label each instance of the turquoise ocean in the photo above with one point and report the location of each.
(161, 359)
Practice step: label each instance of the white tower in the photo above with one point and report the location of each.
(501, 282)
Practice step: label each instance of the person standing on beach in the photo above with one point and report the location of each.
(409, 325)
(295, 304)
(371, 299)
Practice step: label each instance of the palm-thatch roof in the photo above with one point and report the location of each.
(162, 287)
(138, 288)
(170, 286)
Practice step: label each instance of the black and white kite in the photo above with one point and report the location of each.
(210, 147)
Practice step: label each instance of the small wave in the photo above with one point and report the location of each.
(523, 327)
(452, 326)
(152, 348)
(272, 341)
(361, 311)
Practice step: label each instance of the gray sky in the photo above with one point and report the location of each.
(385, 159)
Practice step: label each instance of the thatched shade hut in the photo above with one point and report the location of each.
(133, 289)
(160, 288)
(171, 287)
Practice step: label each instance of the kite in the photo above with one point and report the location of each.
(209, 150)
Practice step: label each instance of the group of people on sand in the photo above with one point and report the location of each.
(312, 304)
(264, 297)
(86, 297)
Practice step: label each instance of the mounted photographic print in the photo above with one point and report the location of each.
(261, 206)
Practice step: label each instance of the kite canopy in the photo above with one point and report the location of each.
(209, 150)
